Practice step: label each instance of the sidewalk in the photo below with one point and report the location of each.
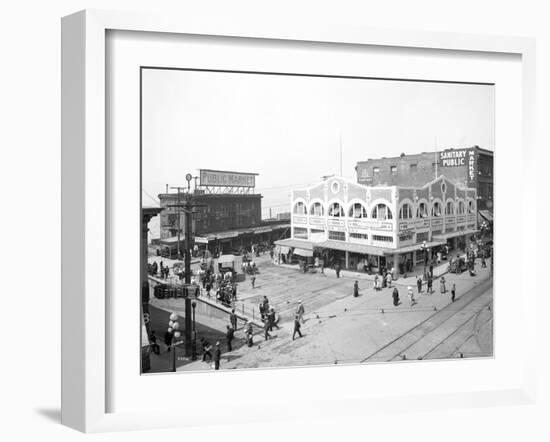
(439, 270)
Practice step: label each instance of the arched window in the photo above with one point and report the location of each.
(461, 207)
(405, 212)
(450, 208)
(317, 209)
(470, 207)
(357, 211)
(381, 211)
(422, 211)
(300, 208)
(436, 208)
(335, 209)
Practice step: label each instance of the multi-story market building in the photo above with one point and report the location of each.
(379, 226)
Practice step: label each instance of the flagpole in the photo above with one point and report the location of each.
(340, 153)
(435, 156)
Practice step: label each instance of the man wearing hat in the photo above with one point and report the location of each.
(217, 356)
(296, 327)
(300, 312)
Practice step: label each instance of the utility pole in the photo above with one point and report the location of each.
(187, 208)
(435, 155)
(340, 153)
(179, 206)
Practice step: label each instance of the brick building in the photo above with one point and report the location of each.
(228, 215)
(470, 167)
(219, 212)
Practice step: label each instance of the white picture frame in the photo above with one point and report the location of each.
(85, 351)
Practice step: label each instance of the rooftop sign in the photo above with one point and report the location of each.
(221, 178)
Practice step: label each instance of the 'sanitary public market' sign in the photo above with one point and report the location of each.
(453, 158)
(220, 178)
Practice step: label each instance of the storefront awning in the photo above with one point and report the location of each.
(486, 214)
(415, 247)
(303, 252)
(290, 242)
(446, 236)
(363, 249)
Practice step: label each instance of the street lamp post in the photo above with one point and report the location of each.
(194, 347)
(424, 248)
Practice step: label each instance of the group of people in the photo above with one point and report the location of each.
(222, 284)
(429, 291)
(155, 270)
(268, 317)
(383, 280)
(207, 353)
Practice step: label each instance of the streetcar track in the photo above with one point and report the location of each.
(459, 328)
(419, 325)
(475, 332)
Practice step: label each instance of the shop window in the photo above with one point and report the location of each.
(300, 209)
(450, 208)
(317, 209)
(382, 238)
(413, 168)
(393, 170)
(359, 236)
(337, 236)
(436, 209)
(357, 211)
(336, 210)
(422, 210)
(405, 212)
(300, 232)
(381, 211)
(375, 170)
(421, 237)
(406, 237)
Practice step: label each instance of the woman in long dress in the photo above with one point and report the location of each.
(442, 285)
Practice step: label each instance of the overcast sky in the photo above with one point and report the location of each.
(288, 129)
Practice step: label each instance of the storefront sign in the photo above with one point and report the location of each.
(299, 220)
(263, 230)
(422, 223)
(460, 219)
(365, 231)
(472, 167)
(316, 221)
(220, 178)
(225, 235)
(382, 226)
(338, 228)
(336, 223)
(437, 222)
(201, 239)
(403, 226)
(358, 224)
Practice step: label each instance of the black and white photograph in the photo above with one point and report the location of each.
(295, 220)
